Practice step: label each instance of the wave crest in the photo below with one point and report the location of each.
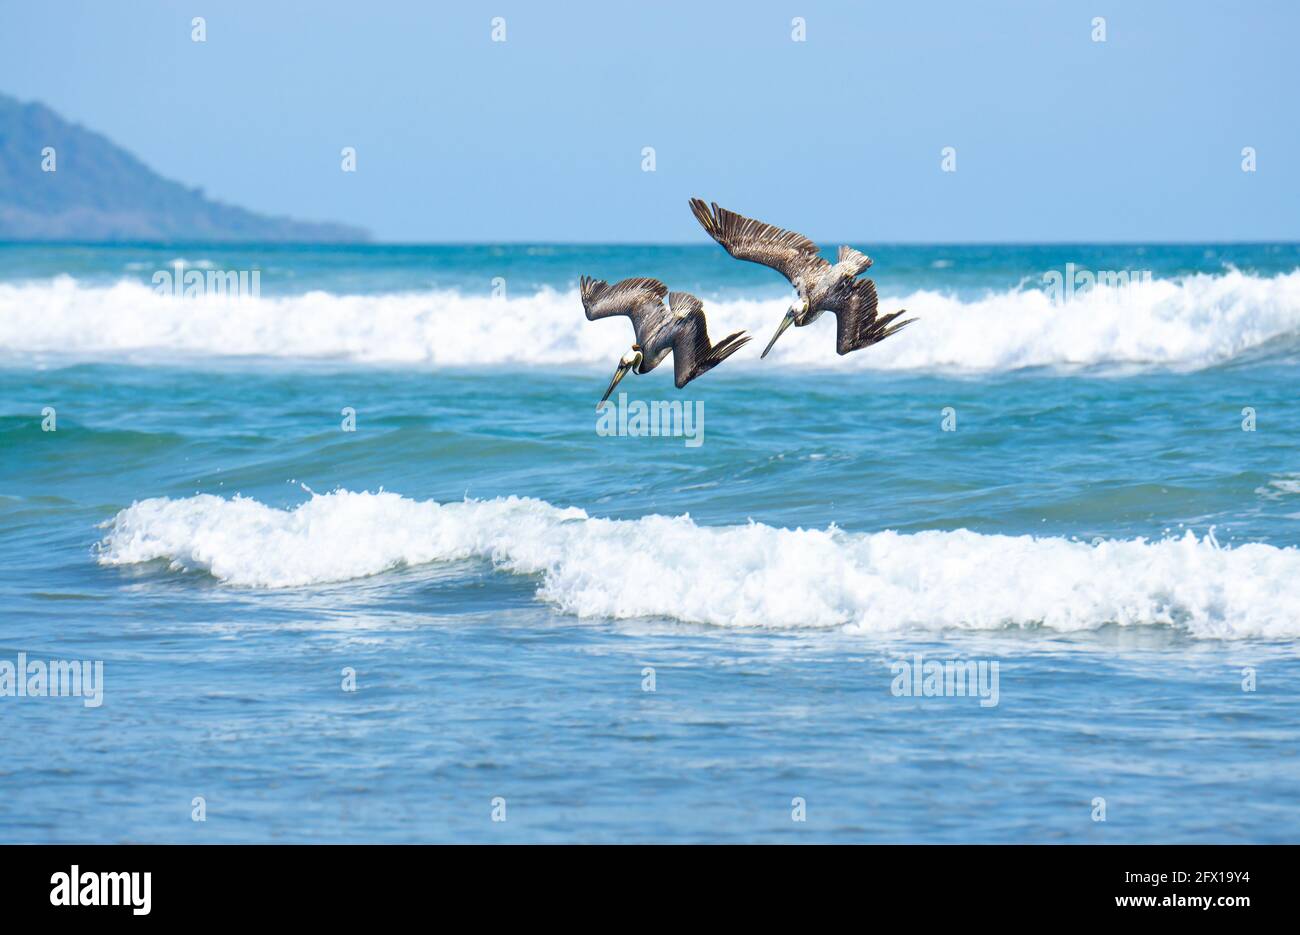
(731, 576)
(1194, 322)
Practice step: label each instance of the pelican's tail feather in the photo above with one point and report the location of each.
(882, 328)
(690, 365)
(891, 329)
(727, 346)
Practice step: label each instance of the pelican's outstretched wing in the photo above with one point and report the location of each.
(858, 323)
(692, 353)
(792, 255)
(640, 298)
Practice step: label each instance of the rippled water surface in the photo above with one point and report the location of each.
(505, 583)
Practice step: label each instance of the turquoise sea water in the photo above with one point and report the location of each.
(504, 583)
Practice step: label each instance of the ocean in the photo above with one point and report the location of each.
(359, 562)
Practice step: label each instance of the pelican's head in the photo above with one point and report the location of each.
(628, 361)
(793, 316)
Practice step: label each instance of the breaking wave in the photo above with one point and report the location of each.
(1193, 322)
(749, 575)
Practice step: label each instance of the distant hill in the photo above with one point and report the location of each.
(102, 192)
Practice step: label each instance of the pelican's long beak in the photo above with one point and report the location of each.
(786, 322)
(619, 374)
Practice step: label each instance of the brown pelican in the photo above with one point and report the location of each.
(821, 286)
(678, 327)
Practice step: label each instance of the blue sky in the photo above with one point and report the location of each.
(539, 138)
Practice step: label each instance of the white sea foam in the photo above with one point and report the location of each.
(1281, 484)
(731, 576)
(1188, 323)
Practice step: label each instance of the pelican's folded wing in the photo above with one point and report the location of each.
(683, 304)
(858, 324)
(792, 255)
(692, 352)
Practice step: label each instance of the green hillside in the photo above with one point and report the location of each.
(100, 192)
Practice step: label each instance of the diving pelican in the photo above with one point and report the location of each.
(678, 327)
(821, 287)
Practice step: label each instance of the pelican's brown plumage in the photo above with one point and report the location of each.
(821, 286)
(679, 327)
